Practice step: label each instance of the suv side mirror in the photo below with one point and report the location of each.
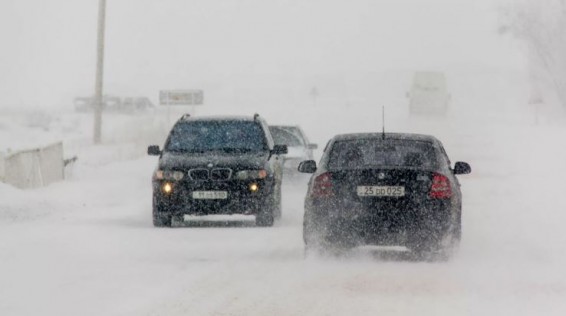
(279, 150)
(462, 168)
(153, 150)
(312, 146)
(307, 166)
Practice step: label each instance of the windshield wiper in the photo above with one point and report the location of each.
(209, 150)
(235, 150)
(187, 151)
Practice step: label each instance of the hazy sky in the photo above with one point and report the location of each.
(48, 47)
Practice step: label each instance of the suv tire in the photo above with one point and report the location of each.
(277, 204)
(160, 218)
(264, 219)
(266, 216)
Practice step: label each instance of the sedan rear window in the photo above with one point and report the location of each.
(382, 153)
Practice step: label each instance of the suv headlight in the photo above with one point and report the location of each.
(251, 174)
(169, 175)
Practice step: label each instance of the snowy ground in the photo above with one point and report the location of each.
(86, 246)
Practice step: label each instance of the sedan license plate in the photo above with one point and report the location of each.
(385, 191)
(210, 195)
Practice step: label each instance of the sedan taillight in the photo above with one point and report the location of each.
(322, 186)
(440, 188)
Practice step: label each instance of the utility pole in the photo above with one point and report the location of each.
(98, 99)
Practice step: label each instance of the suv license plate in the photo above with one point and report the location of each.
(386, 191)
(210, 195)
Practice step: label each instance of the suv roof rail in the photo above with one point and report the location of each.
(256, 116)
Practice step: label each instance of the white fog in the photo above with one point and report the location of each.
(86, 245)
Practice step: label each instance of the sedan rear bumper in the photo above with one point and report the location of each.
(348, 223)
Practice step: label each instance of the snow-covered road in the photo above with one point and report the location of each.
(87, 246)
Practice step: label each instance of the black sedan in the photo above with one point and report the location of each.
(384, 189)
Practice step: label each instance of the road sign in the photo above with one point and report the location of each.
(181, 97)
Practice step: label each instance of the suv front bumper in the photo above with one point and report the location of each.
(240, 199)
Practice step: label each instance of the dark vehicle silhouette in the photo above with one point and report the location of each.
(384, 189)
(218, 165)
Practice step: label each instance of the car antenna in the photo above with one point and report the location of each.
(383, 122)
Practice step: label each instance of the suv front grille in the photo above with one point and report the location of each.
(198, 174)
(218, 174)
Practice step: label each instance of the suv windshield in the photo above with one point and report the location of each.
(227, 136)
(380, 153)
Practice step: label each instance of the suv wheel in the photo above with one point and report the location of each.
(277, 204)
(265, 217)
(160, 218)
(270, 210)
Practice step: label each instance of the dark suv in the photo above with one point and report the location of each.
(218, 165)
